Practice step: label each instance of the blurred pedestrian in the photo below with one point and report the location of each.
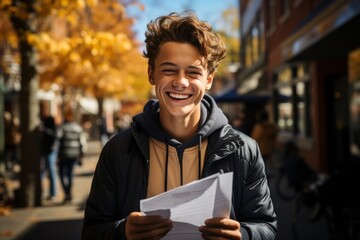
(237, 121)
(242, 122)
(49, 153)
(180, 137)
(70, 152)
(103, 131)
(265, 133)
(119, 124)
(123, 122)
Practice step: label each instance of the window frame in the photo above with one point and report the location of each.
(301, 124)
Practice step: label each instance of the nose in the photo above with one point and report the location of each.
(181, 81)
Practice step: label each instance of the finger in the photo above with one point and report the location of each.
(221, 227)
(138, 228)
(222, 223)
(155, 233)
(138, 218)
(216, 233)
(209, 237)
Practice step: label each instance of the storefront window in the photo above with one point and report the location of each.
(354, 78)
(248, 52)
(292, 100)
(285, 119)
(355, 119)
(300, 93)
(253, 43)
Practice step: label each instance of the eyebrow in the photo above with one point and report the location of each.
(174, 65)
(168, 63)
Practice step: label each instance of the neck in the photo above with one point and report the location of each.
(180, 128)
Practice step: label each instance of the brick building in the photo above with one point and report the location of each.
(305, 54)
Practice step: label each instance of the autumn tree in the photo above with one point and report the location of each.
(21, 15)
(95, 52)
(82, 45)
(229, 29)
(8, 53)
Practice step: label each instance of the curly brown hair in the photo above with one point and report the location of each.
(184, 28)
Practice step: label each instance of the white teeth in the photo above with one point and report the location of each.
(178, 96)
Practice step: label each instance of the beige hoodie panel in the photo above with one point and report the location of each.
(156, 184)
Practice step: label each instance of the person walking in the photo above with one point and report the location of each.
(179, 137)
(265, 133)
(70, 152)
(49, 154)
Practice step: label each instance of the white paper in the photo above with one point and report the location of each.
(190, 205)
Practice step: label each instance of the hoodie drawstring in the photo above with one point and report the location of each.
(181, 165)
(199, 157)
(167, 164)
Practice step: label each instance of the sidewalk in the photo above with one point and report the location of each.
(306, 229)
(54, 220)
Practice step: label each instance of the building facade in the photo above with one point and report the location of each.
(306, 55)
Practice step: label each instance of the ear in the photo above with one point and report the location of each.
(209, 81)
(151, 76)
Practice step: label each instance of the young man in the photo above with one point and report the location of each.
(181, 137)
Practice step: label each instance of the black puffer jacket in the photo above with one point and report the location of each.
(120, 180)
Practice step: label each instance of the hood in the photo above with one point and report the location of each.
(212, 118)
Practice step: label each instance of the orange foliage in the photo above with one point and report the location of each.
(86, 45)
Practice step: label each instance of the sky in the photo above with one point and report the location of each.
(208, 10)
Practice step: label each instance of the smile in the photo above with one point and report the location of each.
(179, 96)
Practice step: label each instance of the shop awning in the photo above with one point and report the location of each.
(331, 34)
(257, 96)
(233, 96)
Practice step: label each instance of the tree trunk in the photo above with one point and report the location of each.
(100, 117)
(30, 149)
(2, 130)
(30, 185)
(100, 101)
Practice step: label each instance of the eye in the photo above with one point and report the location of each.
(168, 71)
(194, 74)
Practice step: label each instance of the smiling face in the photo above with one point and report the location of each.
(180, 81)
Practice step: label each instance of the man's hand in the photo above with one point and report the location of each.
(220, 228)
(139, 226)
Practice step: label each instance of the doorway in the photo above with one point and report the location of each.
(337, 117)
